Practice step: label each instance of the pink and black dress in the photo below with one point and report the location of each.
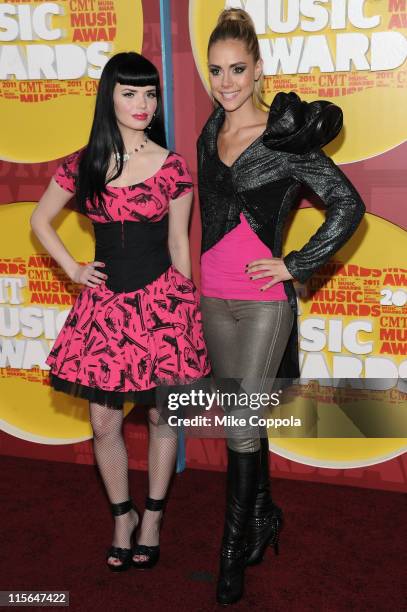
(141, 329)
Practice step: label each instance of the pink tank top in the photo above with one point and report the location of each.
(223, 267)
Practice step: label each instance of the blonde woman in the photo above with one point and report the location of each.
(252, 162)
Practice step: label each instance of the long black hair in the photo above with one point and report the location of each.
(105, 137)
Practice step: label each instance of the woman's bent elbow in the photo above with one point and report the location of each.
(35, 221)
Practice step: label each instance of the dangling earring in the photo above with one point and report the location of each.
(152, 120)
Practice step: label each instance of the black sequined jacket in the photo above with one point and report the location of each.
(264, 184)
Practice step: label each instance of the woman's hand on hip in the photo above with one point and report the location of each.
(264, 268)
(88, 274)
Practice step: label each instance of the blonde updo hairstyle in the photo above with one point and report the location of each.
(236, 24)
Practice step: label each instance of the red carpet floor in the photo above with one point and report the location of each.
(342, 549)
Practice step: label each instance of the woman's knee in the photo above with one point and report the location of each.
(105, 421)
(154, 417)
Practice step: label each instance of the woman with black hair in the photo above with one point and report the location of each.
(136, 325)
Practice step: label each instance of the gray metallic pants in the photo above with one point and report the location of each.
(246, 341)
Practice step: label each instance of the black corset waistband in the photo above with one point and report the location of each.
(135, 253)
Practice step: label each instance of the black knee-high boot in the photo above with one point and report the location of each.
(243, 473)
(266, 520)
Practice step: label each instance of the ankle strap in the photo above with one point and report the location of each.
(122, 508)
(154, 504)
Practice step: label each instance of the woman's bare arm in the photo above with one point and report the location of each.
(178, 238)
(51, 203)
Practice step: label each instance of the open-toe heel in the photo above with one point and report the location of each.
(151, 552)
(124, 555)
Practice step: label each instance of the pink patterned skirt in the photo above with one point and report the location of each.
(117, 347)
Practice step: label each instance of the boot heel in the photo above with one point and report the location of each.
(267, 519)
(263, 532)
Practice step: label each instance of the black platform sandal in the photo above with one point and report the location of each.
(151, 552)
(123, 554)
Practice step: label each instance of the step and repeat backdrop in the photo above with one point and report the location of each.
(352, 312)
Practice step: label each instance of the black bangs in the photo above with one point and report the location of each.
(136, 70)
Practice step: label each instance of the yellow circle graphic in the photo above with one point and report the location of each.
(51, 57)
(352, 324)
(350, 53)
(35, 298)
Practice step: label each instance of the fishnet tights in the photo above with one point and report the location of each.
(162, 453)
(111, 457)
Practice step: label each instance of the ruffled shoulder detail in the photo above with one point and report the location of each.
(296, 126)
